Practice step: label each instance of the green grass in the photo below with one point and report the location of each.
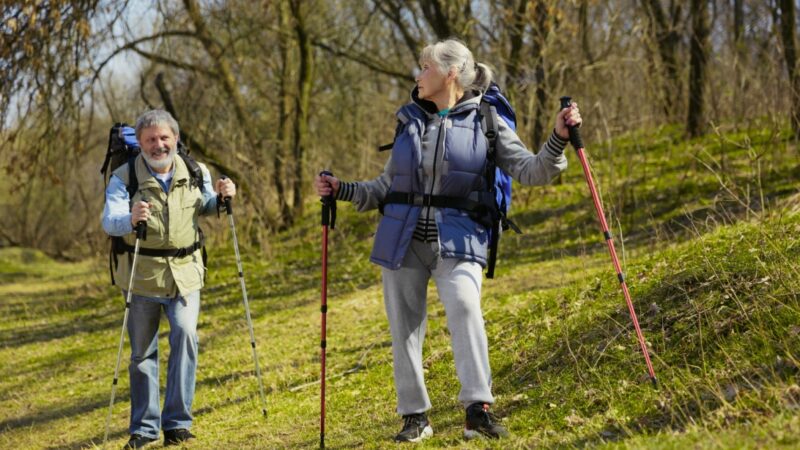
(708, 231)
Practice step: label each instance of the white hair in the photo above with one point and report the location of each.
(163, 163)
(452, 54)
(156, 117)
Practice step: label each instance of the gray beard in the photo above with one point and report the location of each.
(161, 164)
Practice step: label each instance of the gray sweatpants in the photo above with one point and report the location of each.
(459, 285)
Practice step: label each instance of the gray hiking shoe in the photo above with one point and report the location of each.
(415, 428)
(482, 423)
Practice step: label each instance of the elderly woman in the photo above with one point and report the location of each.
(440, 150)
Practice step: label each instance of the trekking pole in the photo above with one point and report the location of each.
(229, 211)
(141, 235)
(328, 220)
(577, 143)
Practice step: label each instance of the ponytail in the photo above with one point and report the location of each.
(453, 54)
(483, 77)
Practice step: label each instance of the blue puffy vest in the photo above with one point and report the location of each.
(460, 172)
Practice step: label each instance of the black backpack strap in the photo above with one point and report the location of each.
(205, 254)
(389, 146)
(112, 259)
(133, 180)
(104, 169)
(489, 117)
(195, 172)
(116, 241)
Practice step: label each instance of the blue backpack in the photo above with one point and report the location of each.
(493, 106)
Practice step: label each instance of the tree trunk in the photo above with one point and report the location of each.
(448, 18)
(436, 15)
(516, 31)
(305, 81)
(789, 38)
(740, 61)
(665, 34)
(699, 49)
(583, 19)
(540, 32)
(738, 22)
(223, 68)
(284, 124)
(193, 144)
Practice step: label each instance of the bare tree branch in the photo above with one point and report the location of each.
(364, 61)
(194, 144)
(133, 46)
(224, 69)
(394, 15)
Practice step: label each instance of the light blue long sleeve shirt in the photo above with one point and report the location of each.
(117, 210)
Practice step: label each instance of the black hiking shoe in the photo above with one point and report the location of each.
(415, 428)
(138, 441)
(177, 436)
(482, 423)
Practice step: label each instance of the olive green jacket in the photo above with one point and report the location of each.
(173, 224)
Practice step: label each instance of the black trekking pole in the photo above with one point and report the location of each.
(328, 220)
(577, 143)
(141, 235)
(229, 211)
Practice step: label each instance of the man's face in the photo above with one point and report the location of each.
(159, 146)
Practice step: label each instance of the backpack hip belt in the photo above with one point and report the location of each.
(480, 205)
(119, 246)
(475, 202)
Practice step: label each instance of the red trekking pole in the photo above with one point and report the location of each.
(328, 220)
(577, 142)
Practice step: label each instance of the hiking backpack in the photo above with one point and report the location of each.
(490, 208)
(495, 106)
(124, 148)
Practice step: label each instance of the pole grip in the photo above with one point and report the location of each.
(141, 226)
(328, 205)
(226, 200)
(574, 132)
(141, 230)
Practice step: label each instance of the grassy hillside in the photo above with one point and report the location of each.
(709, 234)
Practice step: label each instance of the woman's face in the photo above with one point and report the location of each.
(430, 82)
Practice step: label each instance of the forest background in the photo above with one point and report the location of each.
(692, 119)
(271, 92)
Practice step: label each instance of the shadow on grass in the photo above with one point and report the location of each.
(60, 412)
(92, 442)
(96, 322)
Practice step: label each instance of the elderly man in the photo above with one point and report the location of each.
(169, 273)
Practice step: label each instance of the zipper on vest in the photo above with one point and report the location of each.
(440, 138)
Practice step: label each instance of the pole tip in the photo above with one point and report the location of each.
(655, 382)
(264, 412)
